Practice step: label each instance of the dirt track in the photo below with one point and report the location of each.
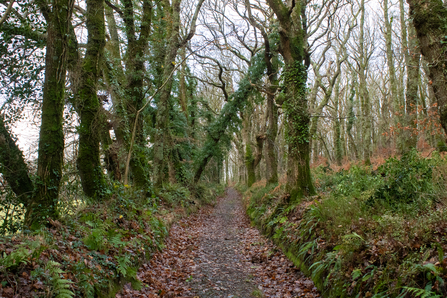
(216, 253)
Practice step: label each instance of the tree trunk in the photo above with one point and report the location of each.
(272, 131)
(161, 146)
(251, 162)
(88, 162)
(134, 93)
(292, 43)
(363, 92)
(351, 120)
(392, 72)
(183, 93)
(412, 90)
(110, 149)
(13, 166)
(337, 130)
(115, 78)
(51, 139)
(429, 19)
(299, 181)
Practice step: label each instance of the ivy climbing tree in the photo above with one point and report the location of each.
(293, 97)
(51, 141)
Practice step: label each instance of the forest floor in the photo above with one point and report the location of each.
(216, 253)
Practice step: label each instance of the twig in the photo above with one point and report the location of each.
(7, 12)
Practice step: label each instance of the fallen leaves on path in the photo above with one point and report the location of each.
(216, 253)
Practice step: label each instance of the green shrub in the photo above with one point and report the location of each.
(405, 181)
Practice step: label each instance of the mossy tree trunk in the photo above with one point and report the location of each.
(430, 19)
(162, 137)
(272, 130)
(272, 110)
(51, 139)
(88, 161)
(109, 148)
(337, 125)
(134, 93)
(115, 78)
(13, 166)
(351, 120)
(412, 90)
(363, 90)
(397, 111)
(252, 160)
(292, 44)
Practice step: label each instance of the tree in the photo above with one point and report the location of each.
(13, 166)
(51, 140)
(429, 20)
(292, 48)
(88, 161)
(162, 137)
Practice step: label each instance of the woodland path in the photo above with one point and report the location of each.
(216, 253)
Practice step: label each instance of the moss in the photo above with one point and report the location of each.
(297, 134)
(51, 140)
(13, 166)
(249, 163)
(89, 165)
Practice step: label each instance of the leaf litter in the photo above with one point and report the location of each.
(216, 253)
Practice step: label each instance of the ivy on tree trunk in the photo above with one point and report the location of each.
(51, 139)
(292, 48)
(88, 162)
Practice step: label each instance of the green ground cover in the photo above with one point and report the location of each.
(369, 233)
(93, 251)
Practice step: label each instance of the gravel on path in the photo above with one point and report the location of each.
(217, 254)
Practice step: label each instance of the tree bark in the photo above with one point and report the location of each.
(429, 19)
(363, 92)
(337, 130)
(162, 134)
(412, 90)
(134, 93)
(51, 139)
(272, 109)
(272, 131)
(392, 71)
(13, 166)
(292, 44)
(88, 161)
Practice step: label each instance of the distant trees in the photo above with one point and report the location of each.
(246, 90)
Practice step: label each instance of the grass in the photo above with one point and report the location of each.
(257, 293)
(380, 230)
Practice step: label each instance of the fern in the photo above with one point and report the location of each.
(116, 241)
(123, 264)
(60, 286)
(95, 241)
(15, 258)
(422, 293)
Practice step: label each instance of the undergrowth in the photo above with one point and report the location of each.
(92, 252)
(369, 233)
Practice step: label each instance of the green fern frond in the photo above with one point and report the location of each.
(60, 286)
(422, 293)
